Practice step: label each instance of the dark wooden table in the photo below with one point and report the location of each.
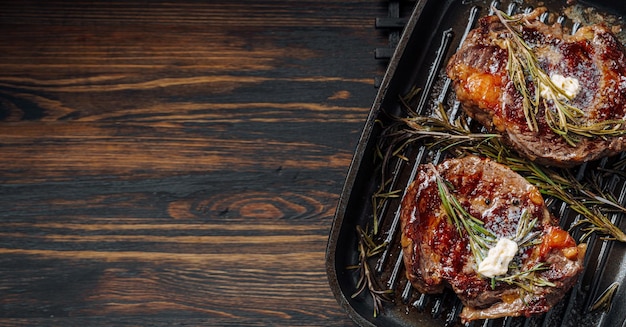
(177, 162)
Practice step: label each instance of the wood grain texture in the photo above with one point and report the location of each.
(177, 163)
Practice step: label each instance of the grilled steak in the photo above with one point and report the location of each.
(589, 66)
(438, 253)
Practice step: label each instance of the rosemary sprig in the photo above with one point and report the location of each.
(527, 279)
(440, 125)
(367, 279)
(480, 238)
(379, 198)
(436, 131)
(563, 118)
(523, 66)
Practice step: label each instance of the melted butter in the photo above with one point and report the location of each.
(497, 261)
(569, 85)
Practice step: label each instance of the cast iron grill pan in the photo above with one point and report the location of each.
(431, 36)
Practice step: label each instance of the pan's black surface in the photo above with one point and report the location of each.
(434, 30)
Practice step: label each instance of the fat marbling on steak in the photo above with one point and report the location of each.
(437, 255)
(592, 57)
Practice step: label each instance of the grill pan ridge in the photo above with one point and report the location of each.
(432, 34)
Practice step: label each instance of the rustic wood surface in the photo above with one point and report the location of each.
(177, 162)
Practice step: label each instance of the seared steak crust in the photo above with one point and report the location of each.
(592, 55)
(437, 256)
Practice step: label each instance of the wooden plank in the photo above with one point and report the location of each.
(171, 163)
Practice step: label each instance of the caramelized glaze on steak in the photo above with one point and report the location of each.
(592, 55)
(437, 256)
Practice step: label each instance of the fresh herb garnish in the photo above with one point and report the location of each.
(480, 239)
(527, 279)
